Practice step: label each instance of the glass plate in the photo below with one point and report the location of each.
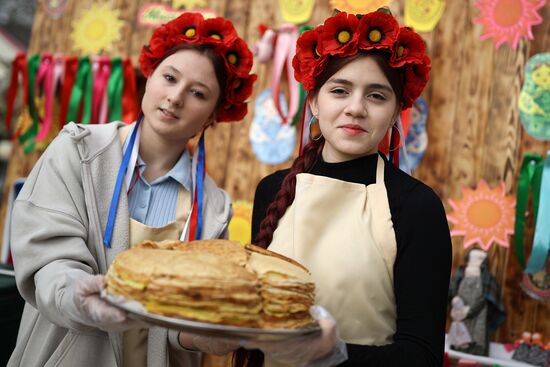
(137, 311)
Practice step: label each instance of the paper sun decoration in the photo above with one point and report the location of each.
(358, 6)
(508, 20)
(240, 226)
(97, 29)
(483, 216)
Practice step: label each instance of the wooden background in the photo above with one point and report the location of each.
(473, 127)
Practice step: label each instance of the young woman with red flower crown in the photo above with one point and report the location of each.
(375, 239)
(99, 189)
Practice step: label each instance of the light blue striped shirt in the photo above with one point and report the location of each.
(154, 204)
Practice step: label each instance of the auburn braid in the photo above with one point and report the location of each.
(286, 193)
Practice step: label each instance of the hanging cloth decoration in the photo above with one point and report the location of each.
(534, 98)
(18, 67)
(272, 141)
(285, 48)
(50, 72)
(541, 242)
(193, 226)
(82, 90)
(530, 177)
(416, 140)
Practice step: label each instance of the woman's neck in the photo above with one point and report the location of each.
(159, 155)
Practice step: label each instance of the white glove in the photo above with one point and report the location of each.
(95, 311)
(207, 344)
(322, 350)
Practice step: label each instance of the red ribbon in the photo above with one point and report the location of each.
(71, 66)
(102, 70)
(19, 66)
(129, 93)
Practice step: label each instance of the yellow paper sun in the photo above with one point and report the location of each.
(483, 216)
(189, 4)
(358, 6)
(97, 29)
(240, 227)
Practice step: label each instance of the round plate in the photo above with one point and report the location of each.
(137, 311)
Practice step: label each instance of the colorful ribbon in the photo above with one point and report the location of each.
(101, 70)
(82, 90)
(541, 242)
(107, 237)
(27, 138)
(71, 68)
(199, 167)
(114, 90)
(529, 177)
(285, 48)
(19, 67)
(129, 93)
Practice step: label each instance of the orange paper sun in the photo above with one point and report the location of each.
(508, 20)
(483, 216)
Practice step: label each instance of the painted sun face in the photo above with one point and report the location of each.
(97, 29)
(541, 76)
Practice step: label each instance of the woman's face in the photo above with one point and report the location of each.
(355, 108)
(180, 96)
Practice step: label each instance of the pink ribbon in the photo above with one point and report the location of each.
(285, 48)
(102, 70)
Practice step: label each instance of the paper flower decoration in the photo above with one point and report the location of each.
(508, 20)
(96, 29)
(240, 227)
(296, 11)
(358, 6)
(483, 216)
(189, 4)
(423, 15)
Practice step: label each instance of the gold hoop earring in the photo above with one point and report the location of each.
(314, 129)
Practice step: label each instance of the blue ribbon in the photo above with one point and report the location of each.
(541, 242)
(118, 186)
(200, 186)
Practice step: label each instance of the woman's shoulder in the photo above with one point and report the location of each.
(95, 137)
(270, 184)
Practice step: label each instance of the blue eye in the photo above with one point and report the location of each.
(198, 94)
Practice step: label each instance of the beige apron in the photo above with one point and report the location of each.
(134, 343)
(343, 233)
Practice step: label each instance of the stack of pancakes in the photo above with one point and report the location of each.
(215, 281)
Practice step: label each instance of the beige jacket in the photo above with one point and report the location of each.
(57, 229)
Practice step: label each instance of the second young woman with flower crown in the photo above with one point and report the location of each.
(375, 239)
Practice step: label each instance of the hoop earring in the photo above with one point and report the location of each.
(393, 147)
(314, 130)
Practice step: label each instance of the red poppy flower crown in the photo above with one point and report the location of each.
(218, 34)
(345, 35)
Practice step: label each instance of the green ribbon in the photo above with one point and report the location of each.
(541, 240)
(302, 95)
(27, 139)
(82, 88)
(530, 176)
(114, 91)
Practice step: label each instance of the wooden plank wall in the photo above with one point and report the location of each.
(473, 126)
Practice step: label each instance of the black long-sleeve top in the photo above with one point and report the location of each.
(422, 264)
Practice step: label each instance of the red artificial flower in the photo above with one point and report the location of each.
(187, 24)
(409, 48)
(238, 57)
(339, 35)
(228, 112)
(309, 59)
(218, 30)
(238, 89)
(377, 30)
(416, 77)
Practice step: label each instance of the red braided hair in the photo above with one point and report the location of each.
(286, 193)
